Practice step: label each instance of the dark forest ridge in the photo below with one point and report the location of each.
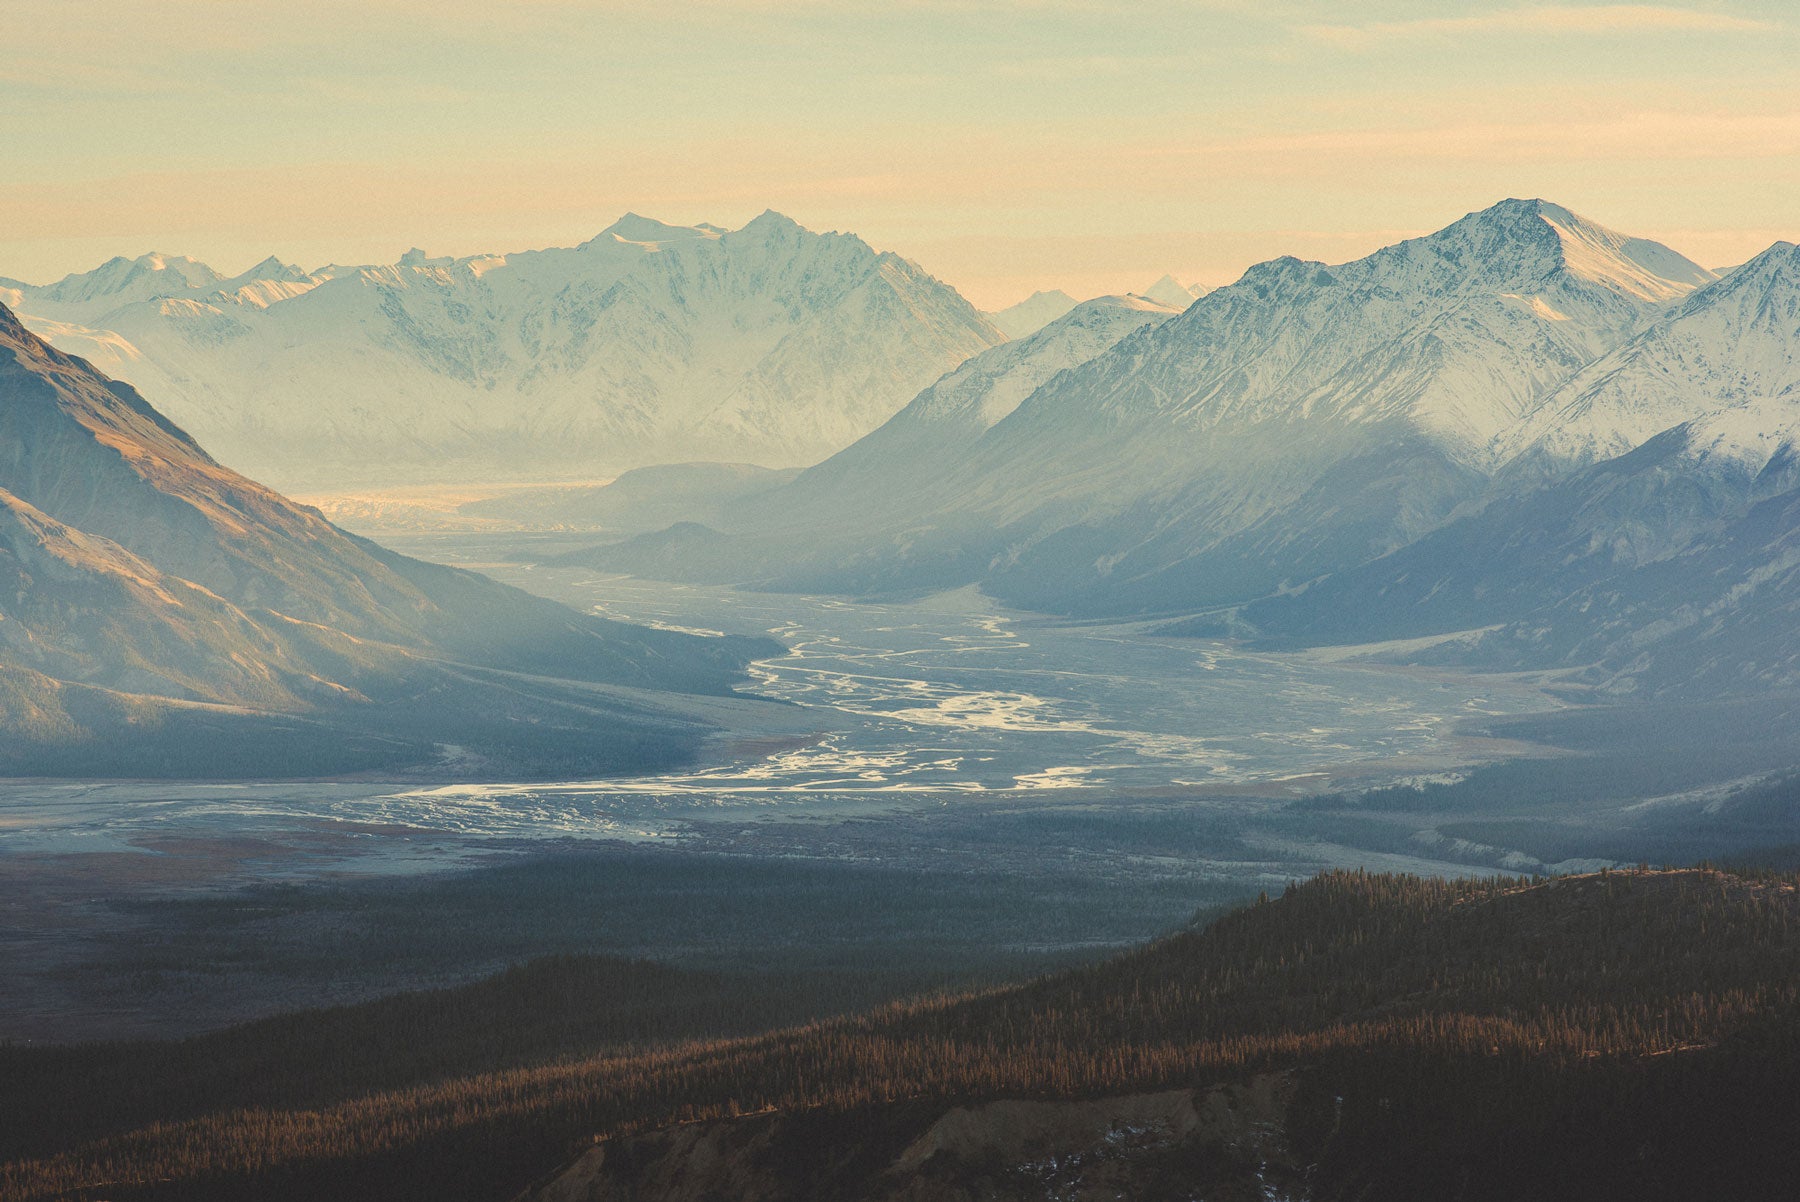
(1618, 1034)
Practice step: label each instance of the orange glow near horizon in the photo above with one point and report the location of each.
(1006, 146)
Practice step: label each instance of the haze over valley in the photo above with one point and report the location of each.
(928, 603)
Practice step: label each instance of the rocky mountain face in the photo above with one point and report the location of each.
(650, 343)
(143, 586)
(1732, 346)
(1305, 418)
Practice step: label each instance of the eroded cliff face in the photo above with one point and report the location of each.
(1222, 1143)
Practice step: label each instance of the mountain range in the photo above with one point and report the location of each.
(1041, 308)
(160, 613)
(1565, 446)
(1524, 421)
(769, 344)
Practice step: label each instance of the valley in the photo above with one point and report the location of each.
(1047, 789)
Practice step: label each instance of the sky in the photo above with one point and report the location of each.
(1005, 145)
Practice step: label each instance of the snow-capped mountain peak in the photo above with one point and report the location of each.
(1525, 244)
(650, 342)
(925, 439)
(1454, 334)
(1033, 313)
(120, 281)
(1634, 266)
(651, 233)
(1168, 291)
(265, 284)
(988, 387)
(1305, 417)
(270, 268)
(769, 226)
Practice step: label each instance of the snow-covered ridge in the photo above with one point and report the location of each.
(1033, 313)
(1303, 419)
(1732, 347)
(651, 342)
(1453, 335)
(1041, 308)
(1168, 291)
(1635, 266)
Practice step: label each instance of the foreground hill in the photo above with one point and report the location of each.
(1625, 1035)
(649, 343)
(161, 613)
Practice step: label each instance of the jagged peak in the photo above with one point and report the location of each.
(1135, 301)
(1271, 271)
(273, 268)
(184, 265)
(1778, 267)
(270, 269)
(635, 227)
(1550, 237)
(1033, 313)
(769, 223)
(118, 271)
(1171, 291)
(1780, 261)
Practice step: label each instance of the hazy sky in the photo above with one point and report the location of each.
(1006, 145)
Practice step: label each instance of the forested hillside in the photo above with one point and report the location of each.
(1615, 1035)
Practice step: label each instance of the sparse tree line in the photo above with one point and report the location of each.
(1437, 1025)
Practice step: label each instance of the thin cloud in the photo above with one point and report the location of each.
(1633, 137)
(1602, 19)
